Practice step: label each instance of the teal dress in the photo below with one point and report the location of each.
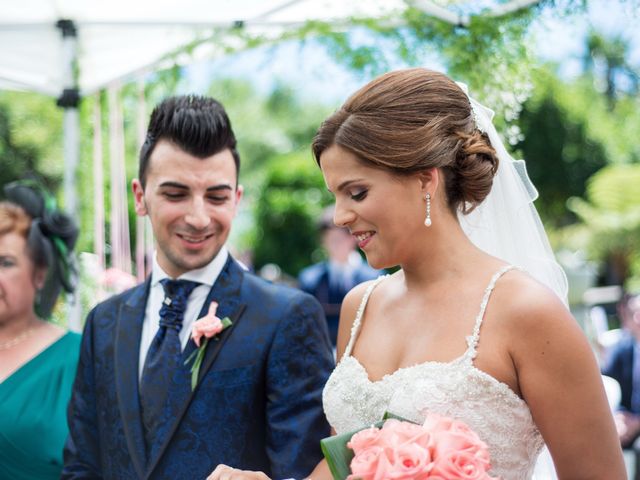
(33, 412)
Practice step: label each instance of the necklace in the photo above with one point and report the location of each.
(16, 340)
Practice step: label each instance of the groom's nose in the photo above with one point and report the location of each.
(197, 216)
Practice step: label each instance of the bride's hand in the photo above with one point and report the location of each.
(223, 472)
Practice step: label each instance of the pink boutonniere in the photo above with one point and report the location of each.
(208, 327)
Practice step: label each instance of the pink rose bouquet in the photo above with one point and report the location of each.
(441, 448)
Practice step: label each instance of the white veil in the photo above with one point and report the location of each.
(506, 224)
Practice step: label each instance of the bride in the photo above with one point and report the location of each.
(473, 325)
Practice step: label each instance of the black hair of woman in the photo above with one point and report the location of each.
(51, 239)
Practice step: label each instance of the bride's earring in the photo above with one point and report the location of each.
(427, 220)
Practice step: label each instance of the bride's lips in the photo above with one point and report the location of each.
(194, 242)
(363, 237)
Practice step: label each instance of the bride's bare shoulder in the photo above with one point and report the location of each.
(519, 300)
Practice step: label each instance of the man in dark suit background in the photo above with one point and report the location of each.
(622, 363)
(257, 401)
(329, 281)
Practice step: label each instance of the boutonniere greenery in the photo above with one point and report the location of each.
(208, 327)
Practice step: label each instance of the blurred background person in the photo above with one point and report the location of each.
(38, 359)
(622, 363)
(330, 280)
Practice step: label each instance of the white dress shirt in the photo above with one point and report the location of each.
(206, 275)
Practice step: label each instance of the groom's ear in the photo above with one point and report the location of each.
(138, 197)
(429, 181)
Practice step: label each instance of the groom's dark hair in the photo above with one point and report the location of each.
(198, 125)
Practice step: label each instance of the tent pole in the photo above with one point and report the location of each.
(69, 101)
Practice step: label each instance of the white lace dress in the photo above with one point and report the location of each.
(456, 389)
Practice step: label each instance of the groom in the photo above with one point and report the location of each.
(256, 403)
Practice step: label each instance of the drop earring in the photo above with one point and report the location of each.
(427, 220)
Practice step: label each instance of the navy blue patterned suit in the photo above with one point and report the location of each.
(257, 405)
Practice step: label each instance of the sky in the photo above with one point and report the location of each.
(314, 74)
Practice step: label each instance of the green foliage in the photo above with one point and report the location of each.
(612, 55)
(286, 212)
(560, 151)
(30, 138)
(611, 213)
(613, 204)
(491, 54)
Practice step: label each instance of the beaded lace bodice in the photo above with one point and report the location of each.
(456, 389)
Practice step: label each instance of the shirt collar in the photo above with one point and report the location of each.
(206, 275)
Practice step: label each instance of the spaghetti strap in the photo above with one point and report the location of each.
(355, 328)
(472, 340)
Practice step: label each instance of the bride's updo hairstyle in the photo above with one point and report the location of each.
(413, 120)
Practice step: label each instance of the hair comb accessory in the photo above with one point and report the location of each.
(479, 112)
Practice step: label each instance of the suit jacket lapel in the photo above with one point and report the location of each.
(225, 291)
(127, 352)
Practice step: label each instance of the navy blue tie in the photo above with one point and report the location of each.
(164, 359)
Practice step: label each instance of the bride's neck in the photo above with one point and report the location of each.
(447, 254)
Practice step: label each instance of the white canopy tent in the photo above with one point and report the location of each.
(71, 48)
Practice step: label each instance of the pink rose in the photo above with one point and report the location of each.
(207, 326)
(461, 465)
(364, 439)
(395, 432)
(437, 423)
(440, 449)
(460, 427)
(366, 463)
(467, 442)
(453, 435)
(410, 462)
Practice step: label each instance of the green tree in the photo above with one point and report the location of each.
(17, 160)
(611, 215)
(287, 211)
(30, 138)
(561, 153)
(607, 61)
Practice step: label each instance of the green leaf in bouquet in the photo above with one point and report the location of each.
(337, 453)
(388, 415)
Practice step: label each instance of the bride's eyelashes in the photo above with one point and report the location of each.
(359, 196)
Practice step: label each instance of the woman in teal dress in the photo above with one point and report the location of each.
(37, 359)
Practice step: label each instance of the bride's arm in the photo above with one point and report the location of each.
(321, 472)
(559, 379)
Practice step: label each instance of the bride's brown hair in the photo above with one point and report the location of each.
(412, 120)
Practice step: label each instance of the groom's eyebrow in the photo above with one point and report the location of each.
(170, 184)
(222, 186)
(213, 188)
